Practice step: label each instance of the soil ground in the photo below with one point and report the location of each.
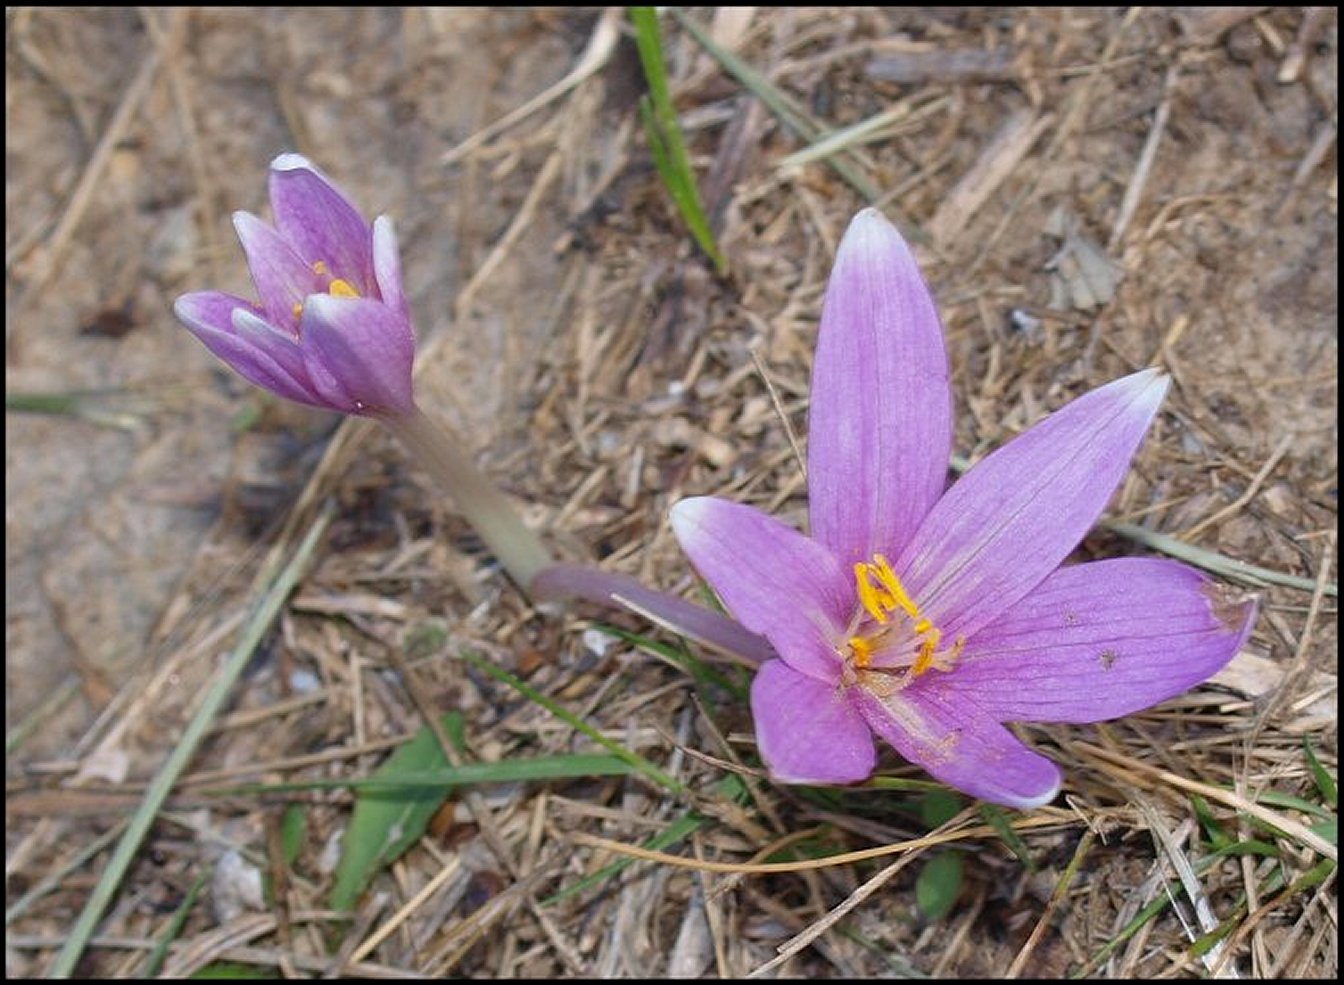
(1089, 192)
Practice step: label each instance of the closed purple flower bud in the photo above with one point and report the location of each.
(332, 327)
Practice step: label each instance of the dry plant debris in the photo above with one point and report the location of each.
(604, 371)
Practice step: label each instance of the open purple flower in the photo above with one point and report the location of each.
(333, 328)
(930, 616)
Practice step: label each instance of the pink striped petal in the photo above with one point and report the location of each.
(211, 316)
(880, 427)
(808, 731)
(314, 215)
(772, 579)
(282, 277)
(1101, 640)
(359, 354)
(387, 268)
(954, 745)
(276, 343)
(1015, 516)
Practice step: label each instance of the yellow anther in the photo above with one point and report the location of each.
(926, 649)
(320, 268)
(876, 605)
(863, 652)
(342, 289)
(896, 591)
(881, 592)
(298, 309)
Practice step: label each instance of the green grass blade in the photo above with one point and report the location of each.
(640, 764)
(293, 832)
(56, 877)
(895, 783)
(1218, 838)
(443, 778)
(35, 719)
(159, 955)
(665, 140)
(997, 820)
(386, 822)
(938, 885)
(1276, 798)
(677, 831)
(1325, 783)
(781, 104)
(1218, 564)
(256, 628)
(704, 674)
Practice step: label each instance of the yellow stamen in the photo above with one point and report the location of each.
(863, 652)
(337, 288)
(868, 593)
(882, 595)
(925, 659)
(894, 588)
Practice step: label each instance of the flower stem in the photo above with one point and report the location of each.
(483, 505)
(561, 582)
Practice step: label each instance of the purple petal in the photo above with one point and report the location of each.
(211, 310)
(880, 427)
(359, 354)
(975, 755)
(387, 267)
(1015, 516)
(808, 731)
(773, 580)
(1100, 640)
(274, 342)
(210, 316)
(321, 223)
(282, 277)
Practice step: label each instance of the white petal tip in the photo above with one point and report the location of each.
(245, 220)
(873, 241)
(871, 226)
(686, 513)
(1031, 803)
(292, 162)
(1149, 387)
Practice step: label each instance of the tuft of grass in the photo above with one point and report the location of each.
(664, 133)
